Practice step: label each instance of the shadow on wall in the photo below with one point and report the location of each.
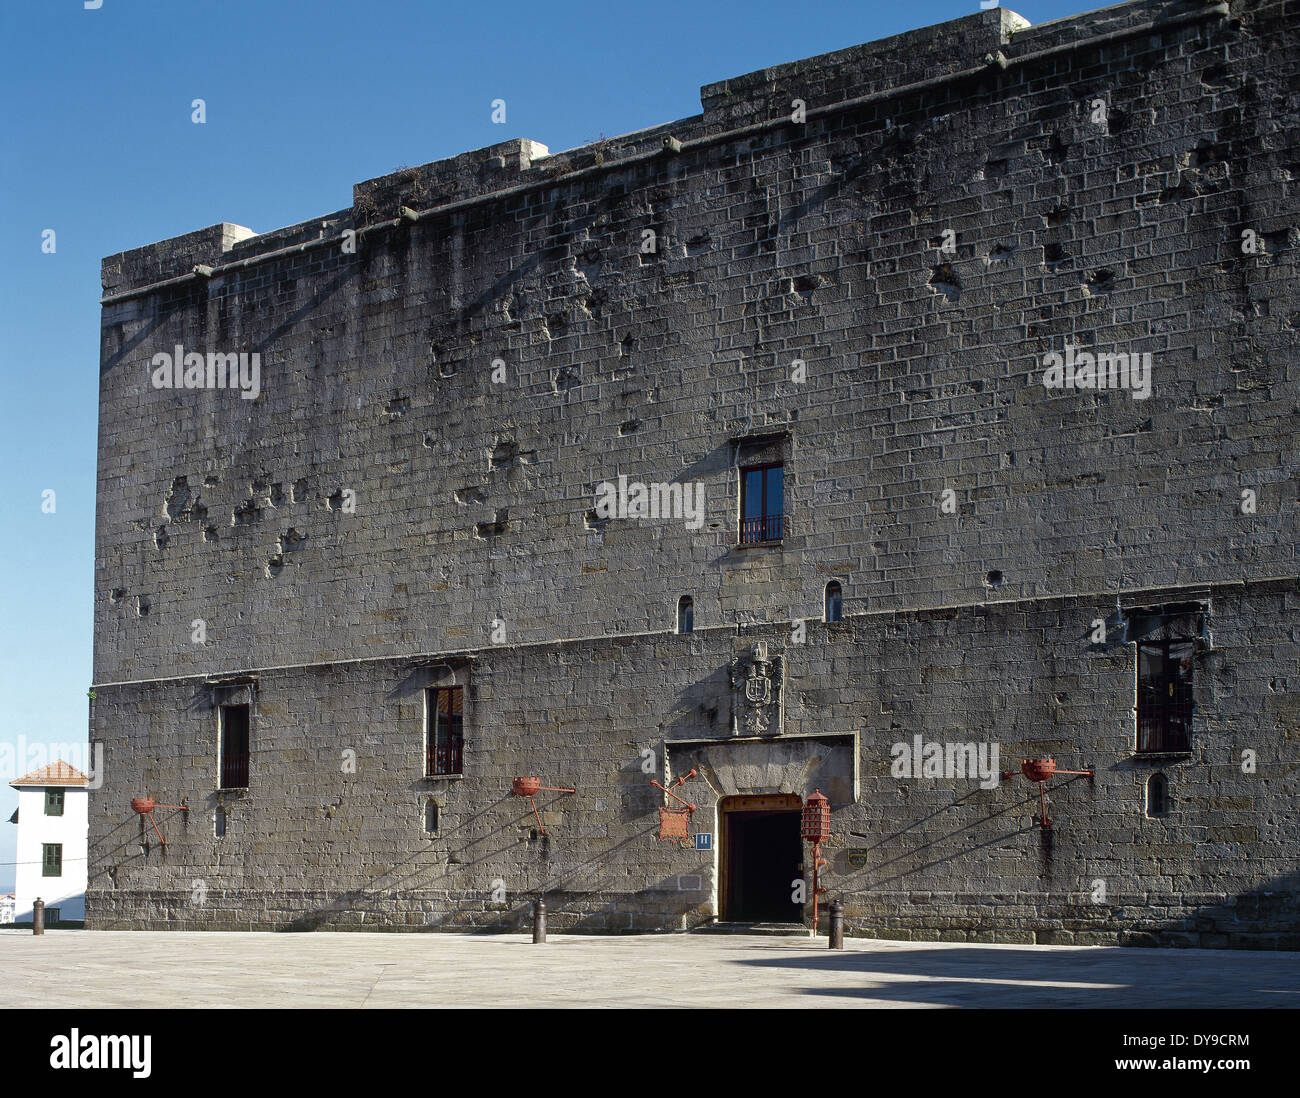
(414, 896)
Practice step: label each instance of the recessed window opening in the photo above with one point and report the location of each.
(762, 503)
(834, 602)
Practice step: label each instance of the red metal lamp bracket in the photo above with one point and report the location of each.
(529, 787)
(1040, 770)
(144, 806)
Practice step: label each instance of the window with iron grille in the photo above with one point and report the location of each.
(54, 802)
(1164, 695)
(234, 746)
(1168, 639)
(762, 503)
(444, 731)
(52, 860)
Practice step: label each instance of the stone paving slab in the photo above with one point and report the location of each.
(74, 968)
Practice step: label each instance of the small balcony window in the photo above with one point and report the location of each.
(762, 504)
(233, 735)
(1164, 696)
(444, 731)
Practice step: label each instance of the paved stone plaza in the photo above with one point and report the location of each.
(158, 969)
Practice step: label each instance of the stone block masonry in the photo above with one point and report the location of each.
(853, 266)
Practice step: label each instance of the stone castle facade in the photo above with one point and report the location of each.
(338, 615)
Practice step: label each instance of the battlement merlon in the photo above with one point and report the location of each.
(886, 66)
(881, 66)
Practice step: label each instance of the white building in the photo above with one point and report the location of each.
(52, 829)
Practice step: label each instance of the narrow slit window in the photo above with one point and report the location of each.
(685, 614)
(1157, 795)
(834, 601)
(219, 823)
(234, 746)
(445, 731)
(431, 817)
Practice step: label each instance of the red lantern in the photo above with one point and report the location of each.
(816, 829)
(817, 818)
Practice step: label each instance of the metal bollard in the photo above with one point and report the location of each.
(837, 925)
(539, 921)
(38, 916)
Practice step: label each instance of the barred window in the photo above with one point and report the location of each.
(444, 731)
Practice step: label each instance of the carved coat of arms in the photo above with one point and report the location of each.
(756, 693)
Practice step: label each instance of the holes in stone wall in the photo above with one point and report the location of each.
(566, 378)
(1054, 256)
(505, 452)
(472, 494)
(496, 527)
(943, 280)
(177, 498)
(1100, 281)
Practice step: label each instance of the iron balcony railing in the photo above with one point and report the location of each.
(234, 771)
(1164, 724)
(445, 758)
(762, 528)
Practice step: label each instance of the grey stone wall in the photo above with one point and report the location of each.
(439, 402)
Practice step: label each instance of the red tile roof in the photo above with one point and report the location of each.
(57, 773)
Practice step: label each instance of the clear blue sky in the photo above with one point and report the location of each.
(304, 98)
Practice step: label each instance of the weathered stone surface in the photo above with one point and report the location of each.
(440, 397)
